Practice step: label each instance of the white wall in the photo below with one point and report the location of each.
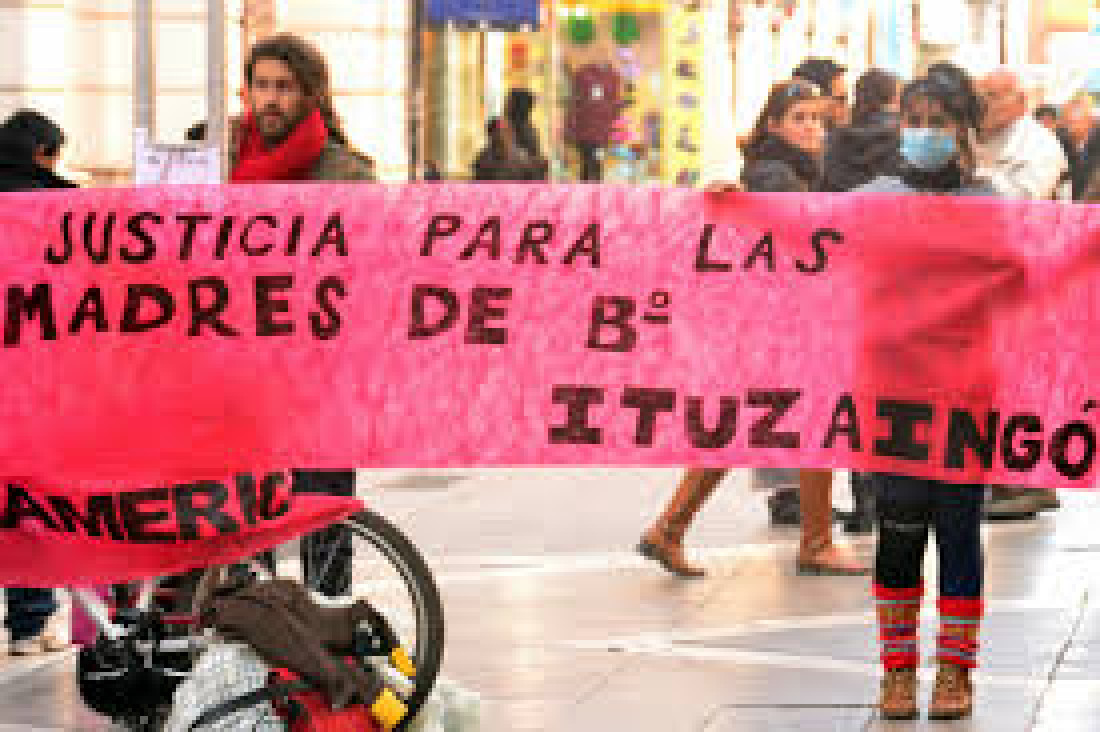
(73, 60)
(366, 43)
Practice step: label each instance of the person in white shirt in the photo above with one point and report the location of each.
(1016, 153)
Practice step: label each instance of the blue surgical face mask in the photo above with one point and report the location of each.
(928, 148)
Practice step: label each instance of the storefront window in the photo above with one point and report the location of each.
(617, 86)
(630, 90)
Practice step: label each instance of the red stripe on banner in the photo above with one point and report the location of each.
(66, 535)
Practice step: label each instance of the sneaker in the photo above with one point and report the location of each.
(47, 642)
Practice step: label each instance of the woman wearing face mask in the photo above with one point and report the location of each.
(783, 155)
(940, 114)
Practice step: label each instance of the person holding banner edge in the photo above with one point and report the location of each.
(30, 146)
(291, 133)
(941, 116)
(782, 155)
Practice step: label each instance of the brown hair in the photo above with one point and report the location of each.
(308, 66)
(782, 98)
(874, 90)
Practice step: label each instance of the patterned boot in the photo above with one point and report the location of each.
(960, 620)
(898, 616)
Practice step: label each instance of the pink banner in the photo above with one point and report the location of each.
(169, 334)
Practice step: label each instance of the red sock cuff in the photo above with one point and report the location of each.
(895, 663)
(898, 593)
(961, 607)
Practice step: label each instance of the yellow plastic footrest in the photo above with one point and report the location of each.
(388, 709)
(401, 661)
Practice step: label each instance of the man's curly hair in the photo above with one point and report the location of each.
(308, 65)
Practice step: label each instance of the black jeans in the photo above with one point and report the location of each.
(907, 509)
(28, 609)
(327, 553)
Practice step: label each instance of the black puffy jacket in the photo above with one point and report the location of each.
(775, 166)
(19, 172)
(858, 154)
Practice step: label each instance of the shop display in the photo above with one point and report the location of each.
(593, 107)
(683, 91)
(628, 64)
(618, 90)
(500, 14)
(596, 102)
(619, 85)
(692, 35)
(624, 28)
(581, 28)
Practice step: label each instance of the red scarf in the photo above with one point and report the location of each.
(292, 159)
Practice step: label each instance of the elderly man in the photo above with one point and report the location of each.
(1022, 159)
(1016, 153)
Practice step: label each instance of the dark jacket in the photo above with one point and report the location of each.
(340, 162)
(775, 166)
(1083, 162)
(518, 110)
(19, 172)
(492, 164)
(518, 107)
(949, 182)
(858, 154)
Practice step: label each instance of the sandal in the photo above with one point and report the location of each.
(832, 561)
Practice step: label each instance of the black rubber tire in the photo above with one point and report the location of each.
(407, 560)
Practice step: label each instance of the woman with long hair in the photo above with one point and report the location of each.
(940, 116)
(789, 132)
(782, 154)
